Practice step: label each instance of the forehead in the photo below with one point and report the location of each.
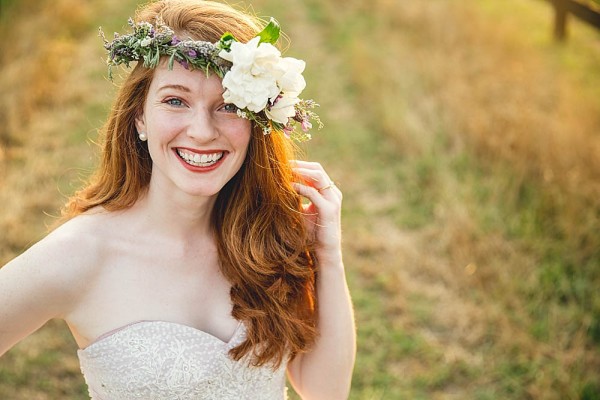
(193, 81)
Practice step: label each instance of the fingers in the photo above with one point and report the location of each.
(323, 212)
(317, 199)
(306, 191)
(312, 174)
(306, 164)
(330, 186)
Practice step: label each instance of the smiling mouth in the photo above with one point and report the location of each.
(199, 160)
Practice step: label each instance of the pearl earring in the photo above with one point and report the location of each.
(143, 137)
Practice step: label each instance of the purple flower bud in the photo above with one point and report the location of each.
(287, 130)
(184, 64)
(192, 53)
(174, 40)
(306, 125)
(300, 115)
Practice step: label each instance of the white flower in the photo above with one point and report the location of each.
(252, 56)
(146, 42)
(292, 82)
(247, 91)
(260, 79)
(252, 80)
(282, 109)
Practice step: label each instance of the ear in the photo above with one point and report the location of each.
(140, 123)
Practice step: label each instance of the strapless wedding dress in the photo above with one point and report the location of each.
(159, 360)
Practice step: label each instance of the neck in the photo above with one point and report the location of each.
(174, 214)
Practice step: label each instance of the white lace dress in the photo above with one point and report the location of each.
(158, 360)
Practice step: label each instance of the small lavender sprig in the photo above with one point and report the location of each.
(149, 44)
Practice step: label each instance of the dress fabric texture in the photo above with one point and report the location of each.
(159, 360)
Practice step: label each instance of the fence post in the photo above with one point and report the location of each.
(560, 19)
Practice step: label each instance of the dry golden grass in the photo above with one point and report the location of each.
(49, 111)
(479, 118)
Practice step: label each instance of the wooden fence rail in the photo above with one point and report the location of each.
(562, 8)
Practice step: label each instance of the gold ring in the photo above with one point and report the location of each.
(331, 185)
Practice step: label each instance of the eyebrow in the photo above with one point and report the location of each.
(176, 87)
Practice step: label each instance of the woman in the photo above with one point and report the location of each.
(189, 268)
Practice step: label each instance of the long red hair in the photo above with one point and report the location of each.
(263, 245)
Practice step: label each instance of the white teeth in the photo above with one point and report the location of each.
(198, 160)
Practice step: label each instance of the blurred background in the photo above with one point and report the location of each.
(466, 140)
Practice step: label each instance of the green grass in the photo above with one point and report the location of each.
(5, 6)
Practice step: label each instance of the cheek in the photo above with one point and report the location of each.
(165, 122)
(239, 133)
(164, 128)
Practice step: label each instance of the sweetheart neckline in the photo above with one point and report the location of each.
(122, 328)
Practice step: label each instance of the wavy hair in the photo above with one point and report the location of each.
(264, 248)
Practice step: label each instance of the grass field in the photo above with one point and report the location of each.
(467, 145)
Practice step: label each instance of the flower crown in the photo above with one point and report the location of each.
(263, 85)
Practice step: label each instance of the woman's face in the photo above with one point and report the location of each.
(197, 142)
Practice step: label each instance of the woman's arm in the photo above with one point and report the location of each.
(39, 285)
(326, 371)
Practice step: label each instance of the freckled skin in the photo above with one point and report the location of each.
(185, 109)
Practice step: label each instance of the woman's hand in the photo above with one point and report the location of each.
(325, 372)
(323, 212)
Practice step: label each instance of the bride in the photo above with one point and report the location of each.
(201, 261)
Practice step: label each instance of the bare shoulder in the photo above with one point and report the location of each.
(50, 278)
(74, 246)
(63, 262)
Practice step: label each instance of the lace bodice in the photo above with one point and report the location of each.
(158, 360)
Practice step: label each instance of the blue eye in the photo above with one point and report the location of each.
(230, 107)
(174, 102)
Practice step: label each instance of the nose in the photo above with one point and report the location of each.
(202, 127)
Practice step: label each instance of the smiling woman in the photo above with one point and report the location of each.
(187, 123)
(186, 267)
